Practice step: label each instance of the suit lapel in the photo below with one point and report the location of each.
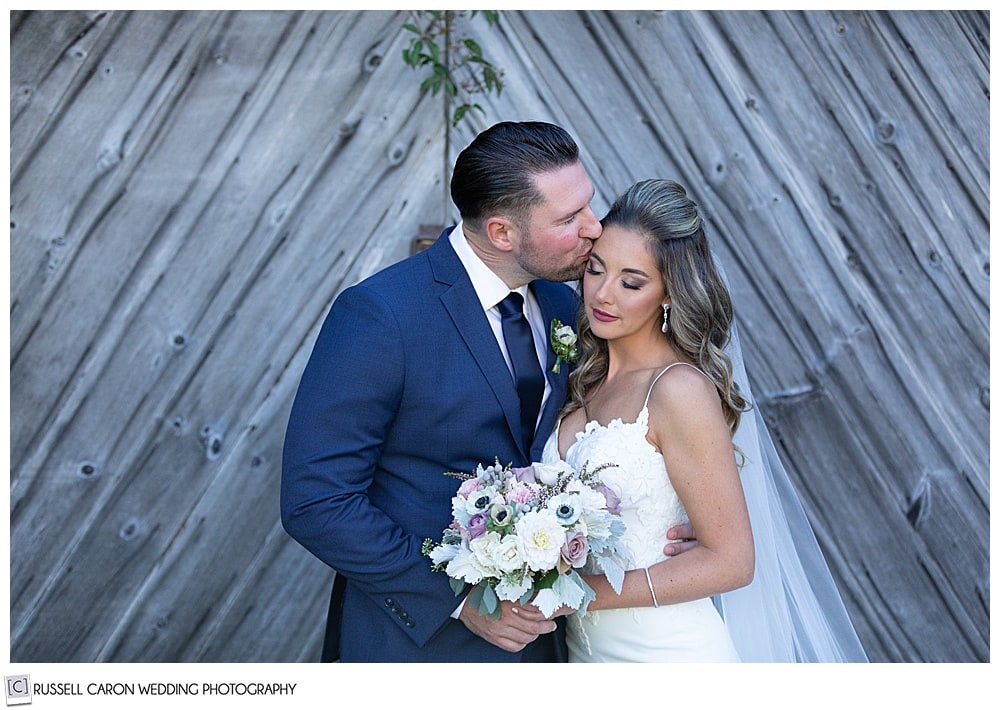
(460, 301)
(558, 382)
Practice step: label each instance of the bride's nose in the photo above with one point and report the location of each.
(602, 293)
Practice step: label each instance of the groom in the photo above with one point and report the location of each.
(414, 373)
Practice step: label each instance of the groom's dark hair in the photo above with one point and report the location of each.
(494, 174)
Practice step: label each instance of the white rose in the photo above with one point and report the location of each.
(483, 548)
(508, 555)
(547, 473)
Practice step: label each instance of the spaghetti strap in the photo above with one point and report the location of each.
(655, 379)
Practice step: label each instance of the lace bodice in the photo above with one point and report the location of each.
(649, 504)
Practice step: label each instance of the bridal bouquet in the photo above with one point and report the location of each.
(522, 533)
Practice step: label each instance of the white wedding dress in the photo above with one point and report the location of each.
(689, 631)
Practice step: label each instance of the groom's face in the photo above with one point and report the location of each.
(556, 239)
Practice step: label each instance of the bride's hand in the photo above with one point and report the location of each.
(680, 538)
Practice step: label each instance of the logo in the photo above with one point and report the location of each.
(18, 690)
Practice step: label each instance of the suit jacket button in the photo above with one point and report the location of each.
(410, 623)
(389, 603)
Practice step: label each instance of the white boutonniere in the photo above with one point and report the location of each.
(563, 341)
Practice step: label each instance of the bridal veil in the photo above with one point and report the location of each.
(792, 611)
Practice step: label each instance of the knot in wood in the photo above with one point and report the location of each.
(372, 61)
(397, 153)
(350, 125)
(886, 131)
(212, 441)
(130, 530)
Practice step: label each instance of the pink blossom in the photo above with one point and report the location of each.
(520, 492)
(468, 486)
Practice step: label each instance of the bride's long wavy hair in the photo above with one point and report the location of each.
(701, 310)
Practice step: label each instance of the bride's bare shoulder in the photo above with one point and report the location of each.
(679, 387)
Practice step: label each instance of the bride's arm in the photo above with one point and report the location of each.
(687, 425)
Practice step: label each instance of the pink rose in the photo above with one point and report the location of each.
(468, 486)
(574, 549)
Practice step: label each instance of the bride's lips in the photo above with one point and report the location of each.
(602, 316)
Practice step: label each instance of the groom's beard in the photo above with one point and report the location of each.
(543, 266)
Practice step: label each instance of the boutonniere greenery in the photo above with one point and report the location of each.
(563, 341)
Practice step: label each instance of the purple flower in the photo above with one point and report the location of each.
(524, 475)
(477, 525)
(613, 501)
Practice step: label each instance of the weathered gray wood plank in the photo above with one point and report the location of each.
(167, 340)
(190, 190)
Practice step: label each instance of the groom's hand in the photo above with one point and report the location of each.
(516, 628)
(680, 538)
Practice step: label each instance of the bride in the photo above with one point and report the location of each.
(655, 393)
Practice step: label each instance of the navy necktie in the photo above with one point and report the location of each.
(528, 375)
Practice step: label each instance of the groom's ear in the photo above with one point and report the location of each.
(498, 231)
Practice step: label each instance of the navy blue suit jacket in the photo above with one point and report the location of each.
(405, 382)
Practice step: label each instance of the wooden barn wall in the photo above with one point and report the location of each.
(190, 190)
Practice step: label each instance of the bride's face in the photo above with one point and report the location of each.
(622, 286)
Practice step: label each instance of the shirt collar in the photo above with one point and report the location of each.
(490, 288)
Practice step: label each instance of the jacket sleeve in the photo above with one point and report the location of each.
(343, 412)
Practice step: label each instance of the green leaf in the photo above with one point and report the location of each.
(430, 82)
(546, 581)
(490, 601)
(476, 595)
